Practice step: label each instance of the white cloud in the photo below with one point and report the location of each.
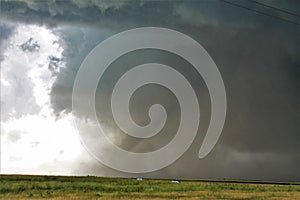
(31, 136)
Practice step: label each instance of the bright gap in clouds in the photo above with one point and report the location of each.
(32, 138)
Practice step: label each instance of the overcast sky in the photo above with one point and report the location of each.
(255, 47)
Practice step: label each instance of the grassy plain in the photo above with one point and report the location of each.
(63, 187)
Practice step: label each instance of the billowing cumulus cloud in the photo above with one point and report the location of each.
(256, 54)
(31, 135)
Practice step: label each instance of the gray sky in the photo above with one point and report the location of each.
(257, 56)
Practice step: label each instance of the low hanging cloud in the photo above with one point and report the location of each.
(257, 56)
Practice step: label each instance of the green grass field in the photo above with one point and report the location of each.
(60, 187)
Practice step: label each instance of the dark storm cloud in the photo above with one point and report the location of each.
(5, 32)
(93, 12)
(257, 55)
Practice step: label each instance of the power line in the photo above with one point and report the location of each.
(257, 11)
(275, 8)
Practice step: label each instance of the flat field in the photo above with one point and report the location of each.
(67, 187)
